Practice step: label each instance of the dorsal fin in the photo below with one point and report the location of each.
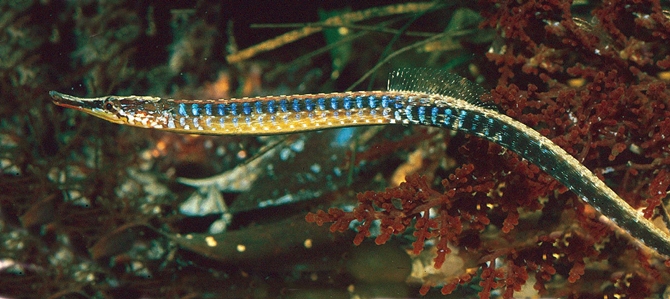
(435, 81)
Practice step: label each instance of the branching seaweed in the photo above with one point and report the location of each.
(595, 90)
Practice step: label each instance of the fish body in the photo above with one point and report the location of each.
(414, 97)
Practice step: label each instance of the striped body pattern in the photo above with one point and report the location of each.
(415, 96)
(279, 114)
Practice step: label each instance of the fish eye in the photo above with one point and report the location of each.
(110, 104)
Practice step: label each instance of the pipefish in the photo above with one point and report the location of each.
(414, 96)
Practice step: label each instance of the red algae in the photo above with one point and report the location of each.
(594, 88)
